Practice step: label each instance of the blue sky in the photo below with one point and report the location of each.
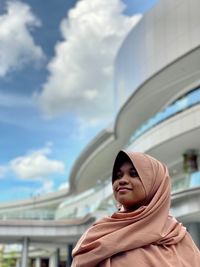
(56, 70)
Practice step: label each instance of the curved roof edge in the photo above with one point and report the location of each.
(87, 152)
(158, 83)
(43, 200)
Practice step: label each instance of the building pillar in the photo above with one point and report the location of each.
(69, 255)
(37, 262)
(54, 259)
(190, 161)
(18, 263)
(24, 261)
(58, 256)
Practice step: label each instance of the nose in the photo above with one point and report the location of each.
(123, 180)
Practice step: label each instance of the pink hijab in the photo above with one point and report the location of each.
(146, 237)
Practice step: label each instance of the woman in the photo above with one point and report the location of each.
(141, 233)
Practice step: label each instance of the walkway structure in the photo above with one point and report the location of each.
(54, 234)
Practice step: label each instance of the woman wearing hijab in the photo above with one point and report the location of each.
(141, 233)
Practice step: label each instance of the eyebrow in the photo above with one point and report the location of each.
(132, 168)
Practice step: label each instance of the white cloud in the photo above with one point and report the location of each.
(47, 187)
(64, 186)
(84, 129)
(17, 46)
(36, 165)
(80, 74)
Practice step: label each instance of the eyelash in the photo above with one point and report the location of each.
(132, 174)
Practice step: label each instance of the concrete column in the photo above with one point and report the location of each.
(24, 262)
(18, 263)
(37, 262)
(190, 161)
(54, 259)
(69, 255)
(58, 256)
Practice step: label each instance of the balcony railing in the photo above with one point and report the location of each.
(185, 102)
(186, 181)
(84, 203)
(35, 214)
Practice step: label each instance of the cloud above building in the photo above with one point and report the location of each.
(64, 185)
(36, 165)
(81, 72)
(17, 46)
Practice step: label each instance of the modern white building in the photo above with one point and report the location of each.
(157, 91)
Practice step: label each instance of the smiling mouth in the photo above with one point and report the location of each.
(123, 189)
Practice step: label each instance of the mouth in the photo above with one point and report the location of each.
(123, 189)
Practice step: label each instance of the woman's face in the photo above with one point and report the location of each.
(128, 188)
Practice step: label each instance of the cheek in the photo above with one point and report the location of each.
(140, 190)
(114, 186)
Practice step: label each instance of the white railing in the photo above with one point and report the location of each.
(85, 203)
(36, 214)
(186, 181)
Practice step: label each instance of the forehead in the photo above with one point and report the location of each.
(125, 165)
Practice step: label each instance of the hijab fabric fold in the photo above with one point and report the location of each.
(146, 237)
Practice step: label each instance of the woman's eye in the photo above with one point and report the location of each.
(118, 175)
(133, 173)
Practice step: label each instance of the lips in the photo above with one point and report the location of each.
(123, 189)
